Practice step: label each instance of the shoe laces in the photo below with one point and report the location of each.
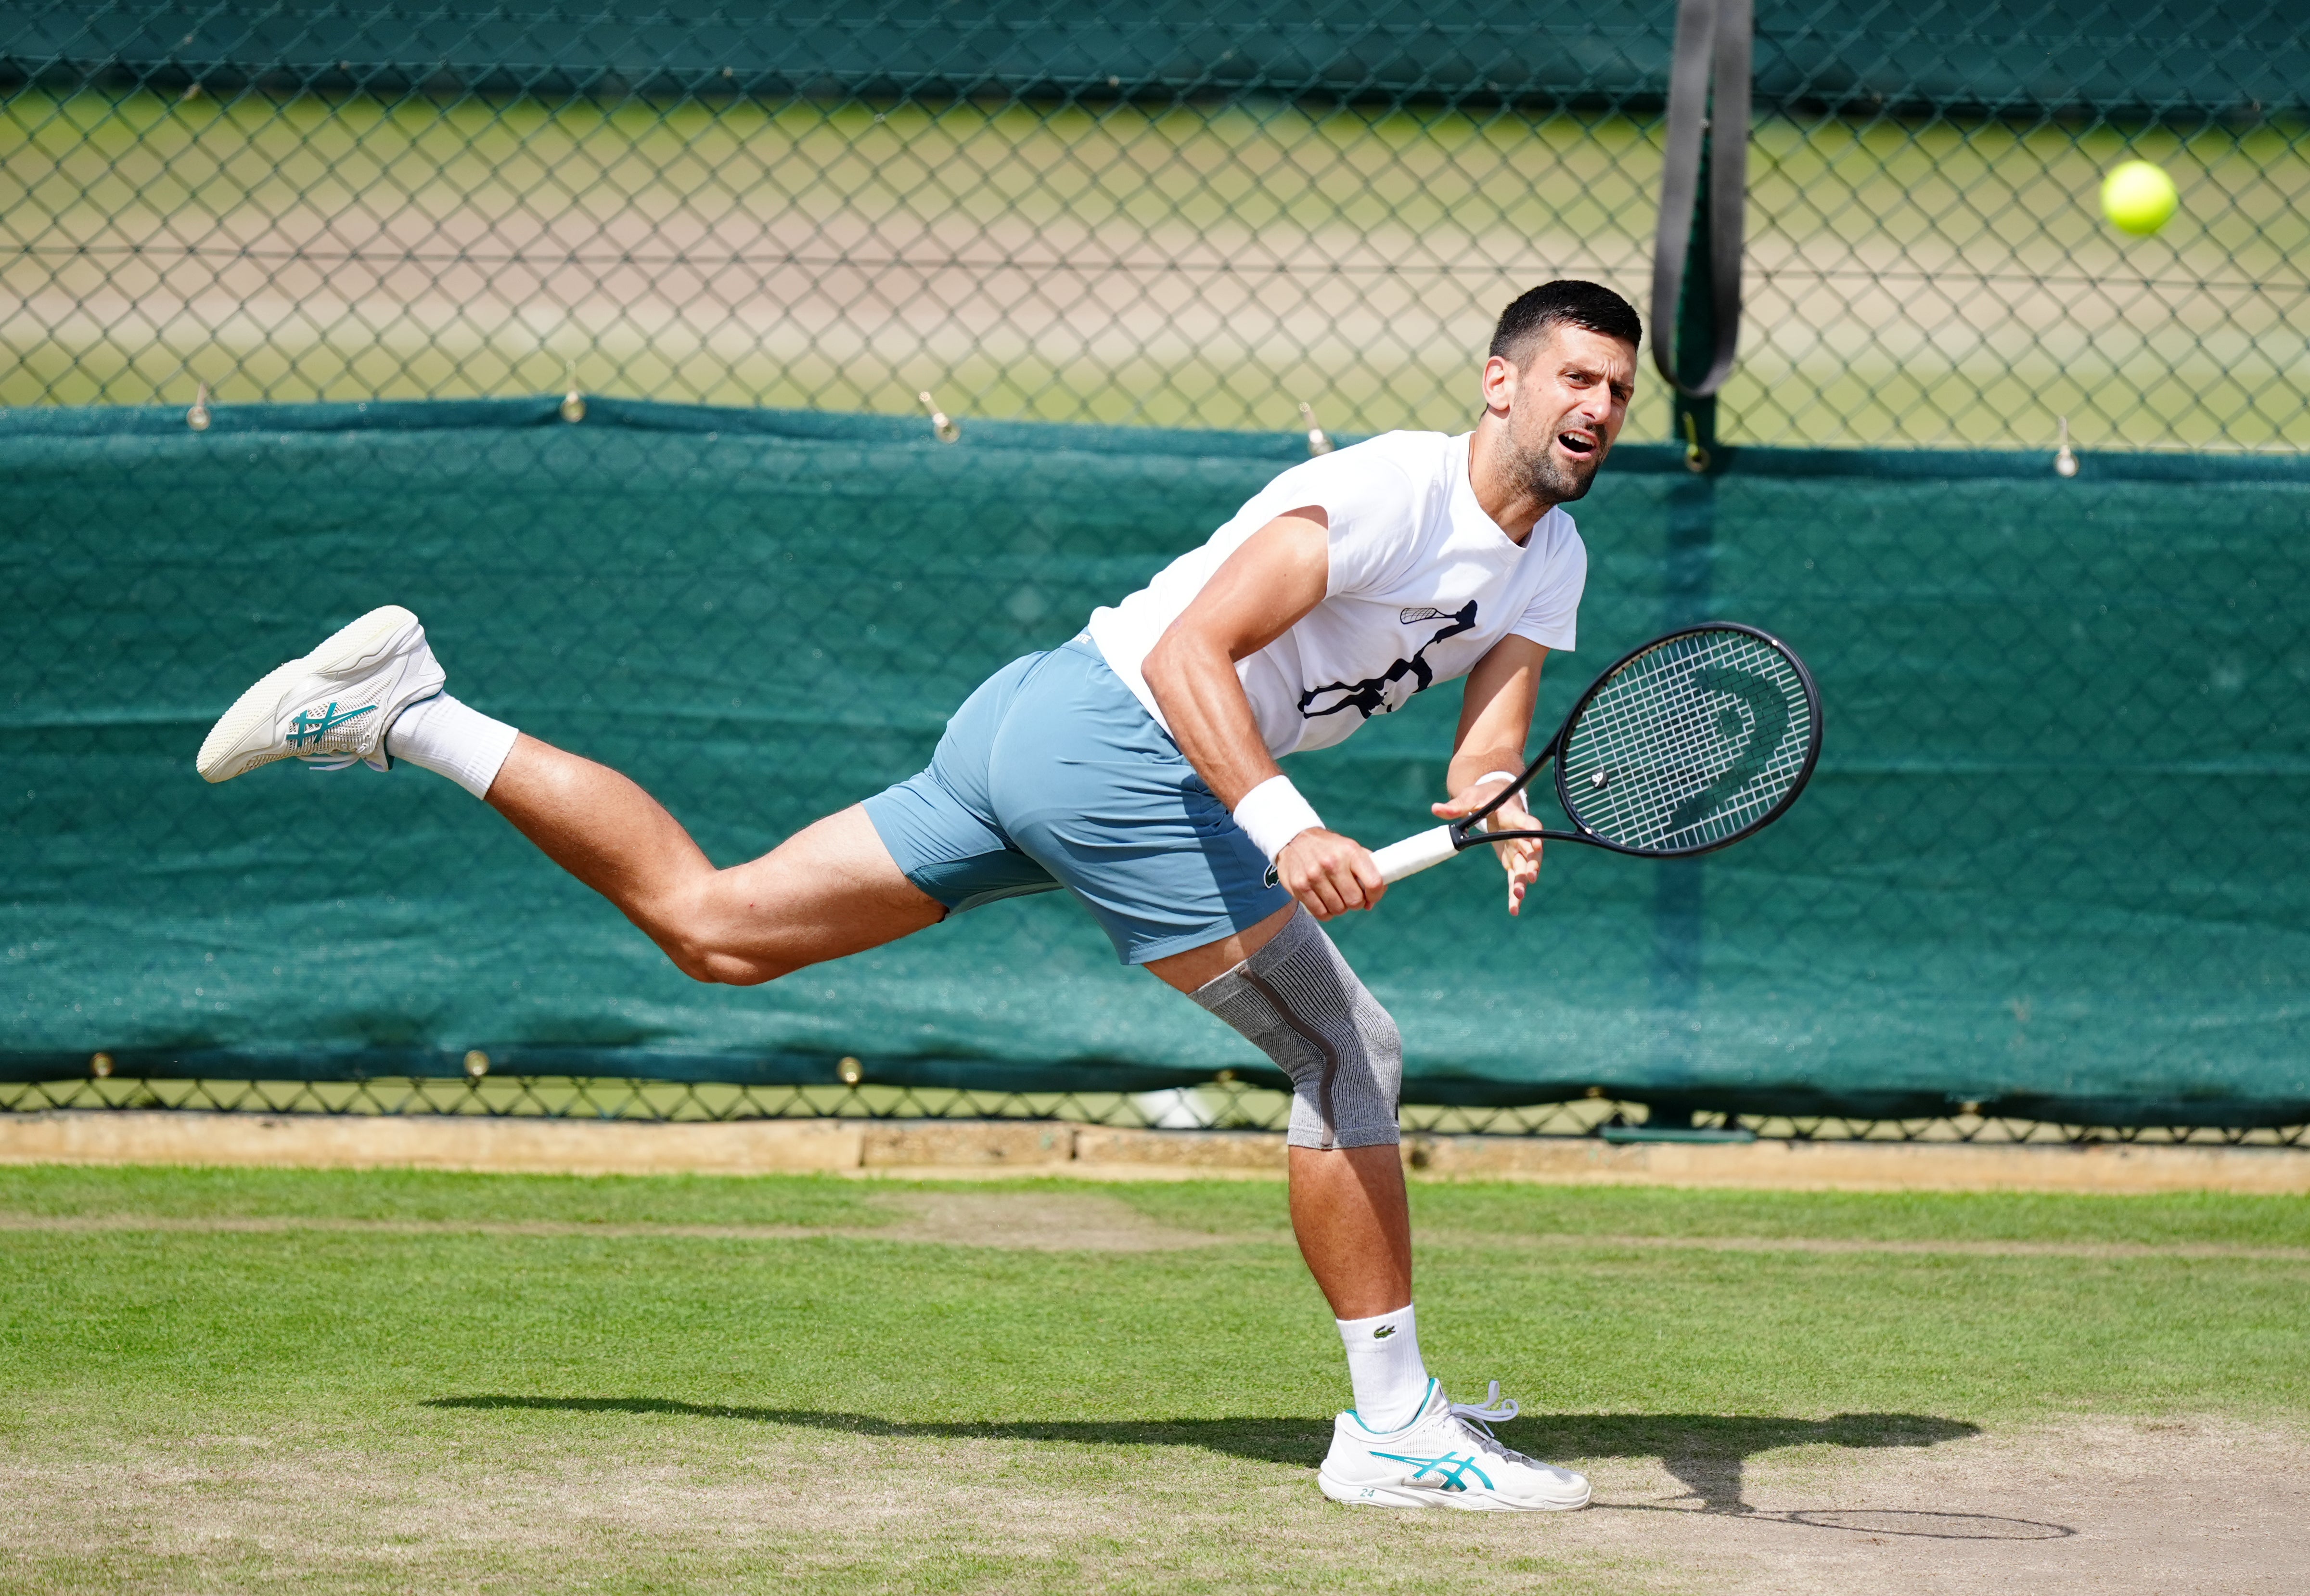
(1492, 1411)
(1476, 1420)
(377, 761)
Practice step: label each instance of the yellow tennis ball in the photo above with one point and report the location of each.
(2138, 197)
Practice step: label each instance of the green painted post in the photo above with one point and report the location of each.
(1679, 898)
(1694, 419)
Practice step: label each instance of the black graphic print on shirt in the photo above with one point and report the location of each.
(1368, 697)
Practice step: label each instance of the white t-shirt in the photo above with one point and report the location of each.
(1422, 584)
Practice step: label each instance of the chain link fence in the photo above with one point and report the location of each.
(1186, 215)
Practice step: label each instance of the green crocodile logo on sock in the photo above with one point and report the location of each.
(1383, 1332)
(308, 728)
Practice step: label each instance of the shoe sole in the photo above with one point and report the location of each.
(1379, 1495)
(345, 649)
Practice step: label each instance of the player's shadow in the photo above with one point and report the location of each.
(1706, 1452)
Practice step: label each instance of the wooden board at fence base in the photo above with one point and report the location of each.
(953, 1149)
(1833, 1166)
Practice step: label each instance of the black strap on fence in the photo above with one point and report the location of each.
(1712, 53)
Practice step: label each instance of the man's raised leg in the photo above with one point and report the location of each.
(831, 889)
(372, 693)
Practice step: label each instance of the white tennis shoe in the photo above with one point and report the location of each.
(332, 708)
(1445, 1457)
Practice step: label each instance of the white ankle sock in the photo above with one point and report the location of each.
(1384, 1366)
(451, 739)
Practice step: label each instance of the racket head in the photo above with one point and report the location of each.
(1691, 742)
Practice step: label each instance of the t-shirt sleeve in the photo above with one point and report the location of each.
(1369, 501)
(1551, 615)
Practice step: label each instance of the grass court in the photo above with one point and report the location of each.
(356, 1381)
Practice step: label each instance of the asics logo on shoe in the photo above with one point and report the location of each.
(1451, 1470)
(308, 728)
(1383, 1332)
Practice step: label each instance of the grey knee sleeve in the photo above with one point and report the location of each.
(1302, 1006)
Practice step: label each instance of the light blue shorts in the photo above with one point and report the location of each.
(1053, 775)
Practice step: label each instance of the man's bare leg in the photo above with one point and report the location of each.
(1404, 1434)
(829, 889)
(1348, 1205)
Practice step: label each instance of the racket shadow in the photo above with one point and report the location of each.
(1707, 1452)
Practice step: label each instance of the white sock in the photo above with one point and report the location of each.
(1384, 1367)
(451, 739)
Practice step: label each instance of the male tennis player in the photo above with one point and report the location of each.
(1135, 766)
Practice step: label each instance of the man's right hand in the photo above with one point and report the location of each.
(1329, 873)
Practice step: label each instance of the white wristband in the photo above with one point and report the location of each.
(1273, 813)
(1493, 775)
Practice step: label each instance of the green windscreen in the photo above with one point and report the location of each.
(2056, 861)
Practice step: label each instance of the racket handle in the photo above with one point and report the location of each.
(1415, 853)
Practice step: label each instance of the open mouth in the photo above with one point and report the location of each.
(1580, 446)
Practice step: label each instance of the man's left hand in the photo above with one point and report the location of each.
(1519, 858)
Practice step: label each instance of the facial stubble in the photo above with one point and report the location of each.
(1550, 480)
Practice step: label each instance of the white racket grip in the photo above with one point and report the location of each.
(1414, 855)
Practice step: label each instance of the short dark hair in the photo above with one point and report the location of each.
(1567, 301)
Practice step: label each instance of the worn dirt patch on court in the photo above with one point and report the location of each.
(1093, 1222)
(1838, 1245)
(1017, 1221)
(2081, 1506)
(515, 1490)
(1033, 1221)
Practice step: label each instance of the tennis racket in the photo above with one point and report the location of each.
(1686, 745)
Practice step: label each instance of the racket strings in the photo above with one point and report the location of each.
(1695, 740)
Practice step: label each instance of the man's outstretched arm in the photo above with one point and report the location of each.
(1276, 576)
